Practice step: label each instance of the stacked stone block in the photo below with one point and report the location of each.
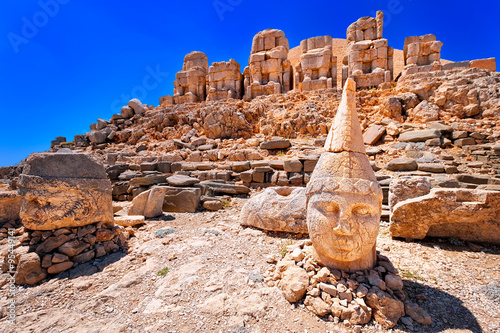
(370, 60)
(317, 68)
(268, 71)
(224, 81)
(190, 83)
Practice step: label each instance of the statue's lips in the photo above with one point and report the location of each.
(343, 242)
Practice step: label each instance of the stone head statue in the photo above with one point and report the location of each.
(344, 199)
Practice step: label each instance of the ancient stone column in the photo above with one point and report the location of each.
(317, 68)
(189, 84)
(344, 199)
(64, 190)
(269, 71)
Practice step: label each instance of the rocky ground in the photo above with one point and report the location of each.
(206, 274)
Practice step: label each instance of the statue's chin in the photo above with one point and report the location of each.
(347, 260)
(343, 249)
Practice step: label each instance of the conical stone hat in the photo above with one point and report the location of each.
(344, 167)
(345, 132)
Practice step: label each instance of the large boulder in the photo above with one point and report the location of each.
(277, 209)
(471, 215)
(64, 190)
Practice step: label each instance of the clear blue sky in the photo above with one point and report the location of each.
(65, 63)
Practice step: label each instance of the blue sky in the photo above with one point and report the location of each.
(65, 63)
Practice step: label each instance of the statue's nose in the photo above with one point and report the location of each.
(344, 226)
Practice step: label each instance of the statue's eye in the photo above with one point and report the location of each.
(328, 208)
(362, 210)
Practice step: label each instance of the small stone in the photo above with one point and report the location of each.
(212, 205)
(58, 258)
(297, 255)
(361, 291)
(61, 267)
(394, 282)
(328, 288)
(323, 274)
(317, 306)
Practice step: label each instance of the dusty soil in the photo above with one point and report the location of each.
(213, 282)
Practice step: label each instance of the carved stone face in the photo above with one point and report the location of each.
(343, 226)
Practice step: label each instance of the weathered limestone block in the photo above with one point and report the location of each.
(407, 187)
(421, 50)
(488, 64)
(64, 190)
(224, 81)
(471, 215)
(181, 199)
(268, 71)
(190, 83)
(10, 206)
(317, 68)
(344, 199)
(149, 203)
(370, 59)
(277, 209)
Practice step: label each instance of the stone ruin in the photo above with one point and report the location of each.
(268, 71)
(317, 68)
(190, 83)
(422, 54)
(224, 81)
(369, 59)
(67, 214)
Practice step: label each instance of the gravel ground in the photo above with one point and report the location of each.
(206, 275)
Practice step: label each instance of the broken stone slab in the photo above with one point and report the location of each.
(419, 136)
(275, 144)
(182, 180)
(467, 214)
(240, 166)
(64, 190)
(181, 199)
(149, 203)
(464, 142)
(277, 209)
(147, 180)
(402, 164)
(292, 165)
(129, 220)
(373, 134)
(10, 205)
(223, 187)
(473, 179)
(431, 167)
